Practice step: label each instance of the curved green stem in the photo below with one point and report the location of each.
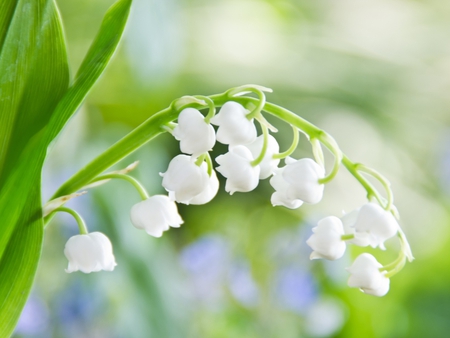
(209, 163)
(384, 182)
(211, 106)
(347, 237)
(258, 90)
(81, 225)
(293, 146)
(317, 152)
(397, 268)
(200, 159)
(259, 159)
(141, 190)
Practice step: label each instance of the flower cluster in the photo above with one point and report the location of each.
(191, 179)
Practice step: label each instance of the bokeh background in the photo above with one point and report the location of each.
(375, 74)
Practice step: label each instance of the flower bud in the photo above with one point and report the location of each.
(326, 241)
(303, 177)
(195, 135)
(268, 164)
(184, 179)
(366, 275)
(376, 224)
(234, 127)
(236, 167)
(155, 215)
(89, 253)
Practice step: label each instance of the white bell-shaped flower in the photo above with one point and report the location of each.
(234, 127)
(236, 167)
(184, 179)
(303, 178)
(366, 275)
(195, 135)
(349, 220)
(326, 240)
(210, 191)
(89, 253)
(268, 164)
(155, 215)
(376, 224)
(281, 186)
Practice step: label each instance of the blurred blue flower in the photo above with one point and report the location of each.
(34, 320)
(295, 289)
(206, 261)
(242, 285)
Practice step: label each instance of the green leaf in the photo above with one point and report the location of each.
(35, 104)
(93, 65)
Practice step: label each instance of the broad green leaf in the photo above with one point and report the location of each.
(33, 77)
(35, 103)
(93, 65)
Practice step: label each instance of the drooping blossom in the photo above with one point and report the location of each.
(155, 215)
(281, 186)
(376, 224)
(366, 275)
(326, 240)
(195, 135)
(303, 177)
(89, 253)
(236, 167)
(234, 127)
(184, 180)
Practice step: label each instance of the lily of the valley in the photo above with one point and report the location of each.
(155, 215)
(184, 180)
(326, 240)
(236, 167)
(303, 177)
(210, 191)
(90, 252)
(268, 164)
(366, 275)
(234, 127)
(375, 224)
(195, 135)
(281, 186)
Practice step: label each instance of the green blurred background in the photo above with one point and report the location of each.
(375, 74)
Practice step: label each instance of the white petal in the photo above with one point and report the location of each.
(234, 127)
(268, 164)
(155, 215)
(279, 197)
(303, 177)
(236, 167)
(184, 179)
(195, 135)
(326, 240)
(377, 223)
(89, 253)
(209, 193)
